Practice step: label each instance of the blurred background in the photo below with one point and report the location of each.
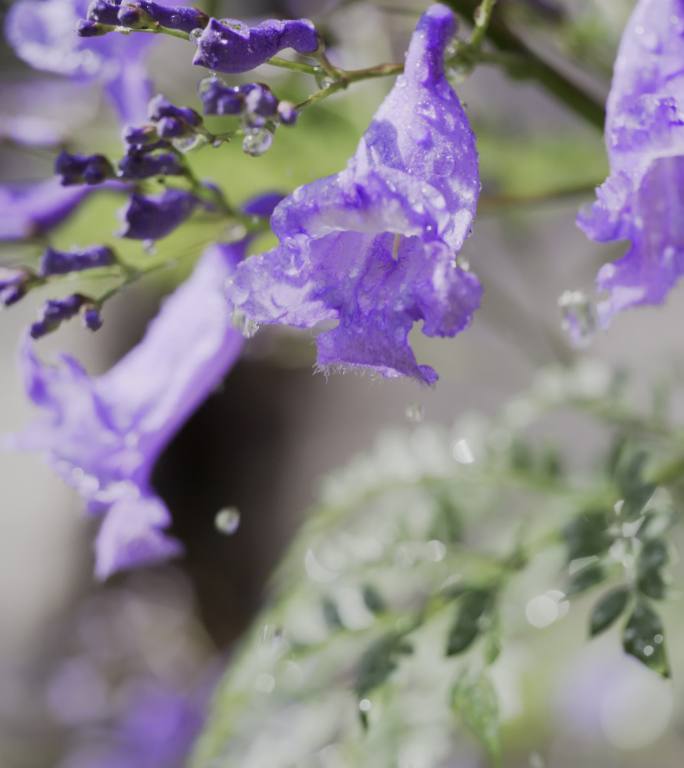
(74, 654)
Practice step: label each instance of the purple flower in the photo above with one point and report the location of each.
(287, 113)
(642, 201)
(55, 311)
(221, 99)
(13, 285)
(142, 164)
(156, 727)
(31, 210)
(183, 19)
(104, 434)
(56, 262)
(373, 248)
(233, 46)
(140, 136)
(82, 169)
(92, 319)
(160, 107)
(44, 34)
(155, 216)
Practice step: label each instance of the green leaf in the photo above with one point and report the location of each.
(607, 610)
(379, 661)
(447, 523)
(474, 700)
(331, 615)
(652, 559)
(633, 488)
(652, 584)
(470, 620)
(653, 556)
(586, 578)
(644, 638)
(373, 600)
(587, 535)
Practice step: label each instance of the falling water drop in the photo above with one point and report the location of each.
(414, 413)
(227, 521)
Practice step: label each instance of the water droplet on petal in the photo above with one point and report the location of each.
(244, 324)
(228, 520)
(196, 33)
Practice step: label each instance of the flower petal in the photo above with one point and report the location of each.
(374, 247)
(642, 200)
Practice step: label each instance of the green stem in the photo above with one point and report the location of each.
(481, 17)
(505, 40)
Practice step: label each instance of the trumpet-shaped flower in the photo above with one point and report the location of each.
(642, 201)
(373, 249)
(104, 434)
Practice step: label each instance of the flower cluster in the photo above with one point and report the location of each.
(643, 199)
(255, 102)
(143, 14)
(374, 247)
(104, 434)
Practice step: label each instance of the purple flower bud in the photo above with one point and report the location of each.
(13, 284)
(62, 262)
(160, 107)
(92, 319)
(287, 113)
(260, 100)
(232, 46)
(221, 99)
(171, 128)
(140, 136)
(82, 169)
(55, 312)
(155, 216)
(130, 16)
(183, 19)
(141, 164)
(87, 28)
(104, 11)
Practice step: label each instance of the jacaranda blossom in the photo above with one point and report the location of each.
(230, 45)
(374, 248)
(104, 434)
(643, 199)
(44, 34)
